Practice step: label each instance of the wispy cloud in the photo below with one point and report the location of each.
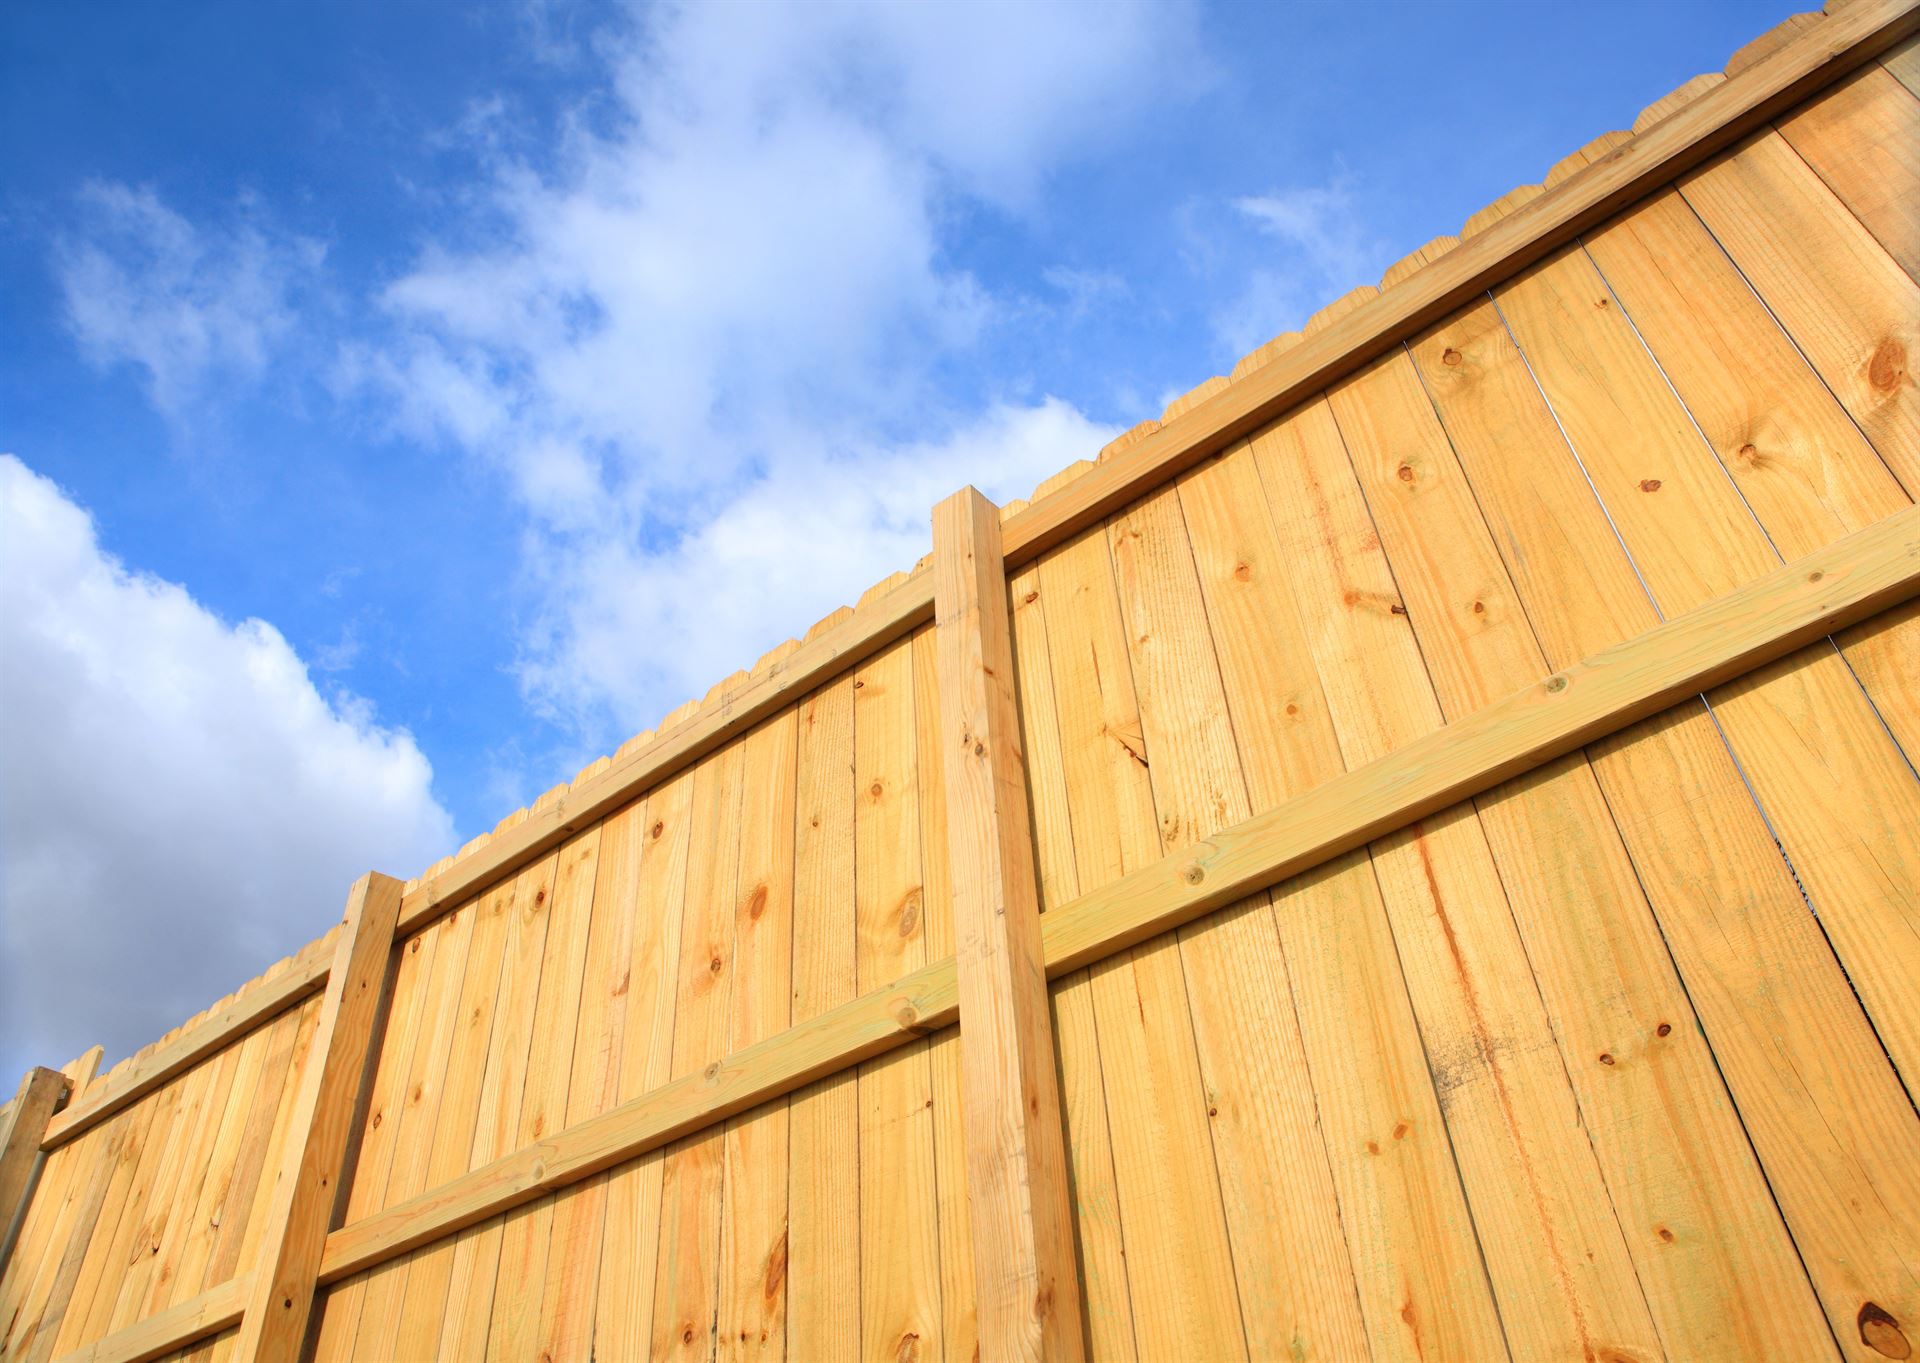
(1311, 244)
(186, 304)
(711, 347)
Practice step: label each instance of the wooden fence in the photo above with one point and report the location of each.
(1415, 854)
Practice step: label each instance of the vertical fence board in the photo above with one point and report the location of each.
(1669, 1144)
(900, 1303)
(823, 1256)
(629, 1255)
(1016, 1166)
(571, 1287)
(1179, 1262)
(753, 1246)
(1862, 137)
(1105, 1297)
(958, 1297)
(1261, 1102)
(274, 1324)
(1417, 1264)
(686, 1287)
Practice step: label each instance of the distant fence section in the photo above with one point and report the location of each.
(1413, 855)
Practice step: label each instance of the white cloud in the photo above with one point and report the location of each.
(1315, 245)
(178, 804)
(712, 345)
(627, 625)
(186, 304)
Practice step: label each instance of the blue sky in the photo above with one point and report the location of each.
(408, 402)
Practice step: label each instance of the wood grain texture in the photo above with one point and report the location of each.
(959, 1323)
(1849, 307)
(754, 1266)
(1269, 1146)
(129, 1082)
(1105, 1296)
(1704, 126)
(1838, 793)
(1862, 138)
(900, 1306)
(570, 1296)
(1016, 1164)
(686, 1282)
(416, 958)
(23, 1124)
(1844, 42)
(823, 1162)
(722, 719)
(1373, 1035)
(629, 1257)
(212, 1311)
(1786, 1032)
(514, 1306)
(1178, 1261)
(278, 1306)
(1555, 1256)
(1664, 1131)
(1416, 1264)
(1853, 579)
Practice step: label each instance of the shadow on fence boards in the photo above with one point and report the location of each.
(1413, 855)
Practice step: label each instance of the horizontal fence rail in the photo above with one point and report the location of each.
(1848, 38)
(1851, 580)
(1021, 1237)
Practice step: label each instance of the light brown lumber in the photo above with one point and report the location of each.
(1180, 1286)
(959, 1322)
(1850, 580)
(1539, 1211)
(1786, 1030)
(1023, 1259)
(1904, 62)
(753, 1277)
(823, 1122)
(599, 1038)
(131, 1175)
(693, 1179)
(1843, 42)
(1839, 794)
(716, 723)
(23, 1124)
(623, 1311)
(46, 1230)
(363, 1328)
(214, 1310)
(1262, 1106)
(475, 1263)
(514, 1304)
(128, 1083)
(148, 1286)
(469, 1085)
(901, 1311)
(1106, 1298)
(1714, 120)
(1421, 1285)
(1862, 138)
(1661, 1129)
(280, 1300)
(1849, 307)
(387, 1104)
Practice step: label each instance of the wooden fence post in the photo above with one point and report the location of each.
(22, 1123)
(1025, 1272)
(279, 1302)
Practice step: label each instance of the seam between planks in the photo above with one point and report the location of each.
(1850, 580)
